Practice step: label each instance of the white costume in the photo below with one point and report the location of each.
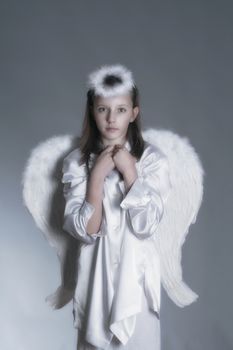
(114, 264)
(142, 232)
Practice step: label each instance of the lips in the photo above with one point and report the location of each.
(112, 129)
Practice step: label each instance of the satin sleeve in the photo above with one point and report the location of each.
(146, 197)
(78, 210)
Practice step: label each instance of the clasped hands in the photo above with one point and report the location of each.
(123, 160)
(115, 156)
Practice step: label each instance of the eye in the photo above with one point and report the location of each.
(122, 109)
(100, 109)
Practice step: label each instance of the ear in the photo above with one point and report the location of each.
(135, 113)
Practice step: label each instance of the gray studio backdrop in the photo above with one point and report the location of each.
(181, 55)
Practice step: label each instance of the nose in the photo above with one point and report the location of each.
(110, 116)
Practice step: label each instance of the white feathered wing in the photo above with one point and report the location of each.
(181, 209)
(43, 196)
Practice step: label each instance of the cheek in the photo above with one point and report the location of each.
(99, 122)
(126, 122)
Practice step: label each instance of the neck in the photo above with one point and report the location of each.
(112, 142)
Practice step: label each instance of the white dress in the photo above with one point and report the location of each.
(118, 272)
(146, 335)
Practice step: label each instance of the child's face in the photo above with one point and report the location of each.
(115, 112)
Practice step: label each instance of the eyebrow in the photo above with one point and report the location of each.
(117, 105)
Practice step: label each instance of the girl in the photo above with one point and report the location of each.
(115, 187)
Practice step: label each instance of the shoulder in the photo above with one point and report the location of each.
(153, 160)
(71, 162)
(152, 153)
(75, 154)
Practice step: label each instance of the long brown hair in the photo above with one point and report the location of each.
(90, 141)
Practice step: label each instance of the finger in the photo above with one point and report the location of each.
(108, 149)
(111, 152)
(115, 151)
(117, 147)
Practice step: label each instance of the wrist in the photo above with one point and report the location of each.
(129, 177)
(96, 178)
(130, 173)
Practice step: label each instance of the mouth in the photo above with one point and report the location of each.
(111, 129)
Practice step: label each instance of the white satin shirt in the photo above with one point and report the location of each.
(118, 263)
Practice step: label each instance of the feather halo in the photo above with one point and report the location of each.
(101, 80)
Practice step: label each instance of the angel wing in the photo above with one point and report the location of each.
(186, 175)
(43, 197)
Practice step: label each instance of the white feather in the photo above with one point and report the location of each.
(186, 174)
(42, 195)
(96, 80)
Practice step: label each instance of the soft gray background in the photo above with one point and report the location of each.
(181, 55)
